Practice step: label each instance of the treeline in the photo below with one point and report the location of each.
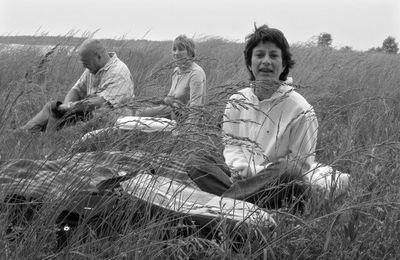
(41, 40)
(67, 41)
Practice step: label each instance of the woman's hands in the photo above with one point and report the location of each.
(172, 101)
(240, 172)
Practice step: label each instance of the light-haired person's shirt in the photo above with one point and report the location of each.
(189, 86)
(113, 82)
(281, 127)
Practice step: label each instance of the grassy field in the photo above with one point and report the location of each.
(356, 97)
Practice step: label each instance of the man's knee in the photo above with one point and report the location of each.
(40, 120)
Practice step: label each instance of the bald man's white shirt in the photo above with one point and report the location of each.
(113, 82)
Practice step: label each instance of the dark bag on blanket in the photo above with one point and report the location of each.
(281, 184)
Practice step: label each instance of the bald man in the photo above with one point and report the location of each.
(106, 83)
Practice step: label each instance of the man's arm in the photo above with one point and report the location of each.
(72, 96)
(76, 93)
(77, 99)
(88, 104)
(79, 90)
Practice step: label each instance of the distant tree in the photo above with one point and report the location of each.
(375, 49)
(390, 45)
(346, 48)
(325, 39)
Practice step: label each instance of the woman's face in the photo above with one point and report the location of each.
(179, 52)
(266, 61)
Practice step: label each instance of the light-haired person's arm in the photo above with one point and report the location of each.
(198, 95)
(197, 85)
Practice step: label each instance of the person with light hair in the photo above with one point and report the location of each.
(188, 83)
(105, 83)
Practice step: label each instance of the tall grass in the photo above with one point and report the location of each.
(355, 96)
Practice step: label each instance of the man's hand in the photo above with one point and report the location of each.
(169, 100)
(88, 104)
(65, 107)
(93, 102)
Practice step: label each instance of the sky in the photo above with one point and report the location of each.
(360, 24)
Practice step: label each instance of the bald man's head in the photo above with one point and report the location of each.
(93, 55)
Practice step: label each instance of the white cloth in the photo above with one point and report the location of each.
(325, 177)
(289, 80)
(144, 124)
(283, 126)
(113, 82)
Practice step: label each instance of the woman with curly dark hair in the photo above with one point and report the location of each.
(271, 130)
